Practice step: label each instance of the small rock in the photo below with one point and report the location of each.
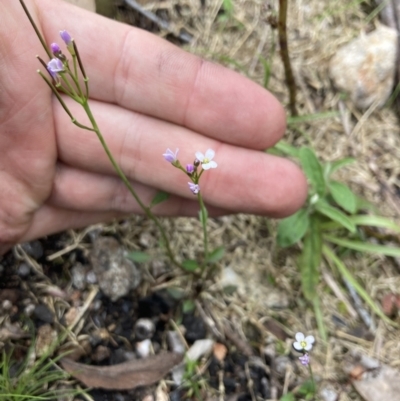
(175, 342)
(199, 349)
(328, 394)
(6, 305)
(143, 348)
(43, 313)
(220, 351)
(144, 329)
(44, 339)
(91, 277)
(29, 309)
(78, 273)
(24, 270)
(365, 67)
(116, 274)
(230, 280)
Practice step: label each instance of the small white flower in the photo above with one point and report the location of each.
(207, 161)
(303, 343)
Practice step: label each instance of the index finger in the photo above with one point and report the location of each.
(139, 71)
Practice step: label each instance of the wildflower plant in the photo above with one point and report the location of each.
(64, 74)
(331, 221)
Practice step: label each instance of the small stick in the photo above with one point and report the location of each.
(284, 50)
(365, 316)
(161, 23)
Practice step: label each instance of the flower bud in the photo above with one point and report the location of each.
(55, 49)
(196, 162)
(190, 168)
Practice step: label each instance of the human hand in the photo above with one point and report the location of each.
(147, 96)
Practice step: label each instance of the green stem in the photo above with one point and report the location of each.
(312, 379)
(128, 185)
(204, 216)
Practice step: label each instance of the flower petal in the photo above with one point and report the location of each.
(199, 156)
(310, 339)
(299, 337)
(206, 166)
(212, 164)
(297, 346)
(210, 154)
(308, 347)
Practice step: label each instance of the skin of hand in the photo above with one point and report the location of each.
(147, 95)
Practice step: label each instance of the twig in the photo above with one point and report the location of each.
(365, 316)
(284, 50)
(184, 37)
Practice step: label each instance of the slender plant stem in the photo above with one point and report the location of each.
(312, 379)
(128, 185)
(284, 50)
(204, 215)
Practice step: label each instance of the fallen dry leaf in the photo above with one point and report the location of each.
(124, 376)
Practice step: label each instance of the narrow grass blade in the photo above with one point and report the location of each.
(335, 214)
(332, 258)
(319, 318)
(309, 261)
(311, 117)
(364, 247)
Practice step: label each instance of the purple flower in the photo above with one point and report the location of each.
(66, 37)
(195, 188)
(190, 168)
(54, 66)
(304, 360)
(170, 156)
(55, 49)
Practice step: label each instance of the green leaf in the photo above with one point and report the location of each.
(335, 214)
(293, 228)
(287, 397)
(375, 221)
(343, 196)
(310, 260)
(319, 317)
(338, 164)
(311, 117)
(188, 306)
(364, 247)
(284, 148)
(139, 257)
(158, 198)
(216, 255)
(190, 265)
(313, 169)
(331, 256)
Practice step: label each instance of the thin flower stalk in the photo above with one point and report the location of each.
(82, 98)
